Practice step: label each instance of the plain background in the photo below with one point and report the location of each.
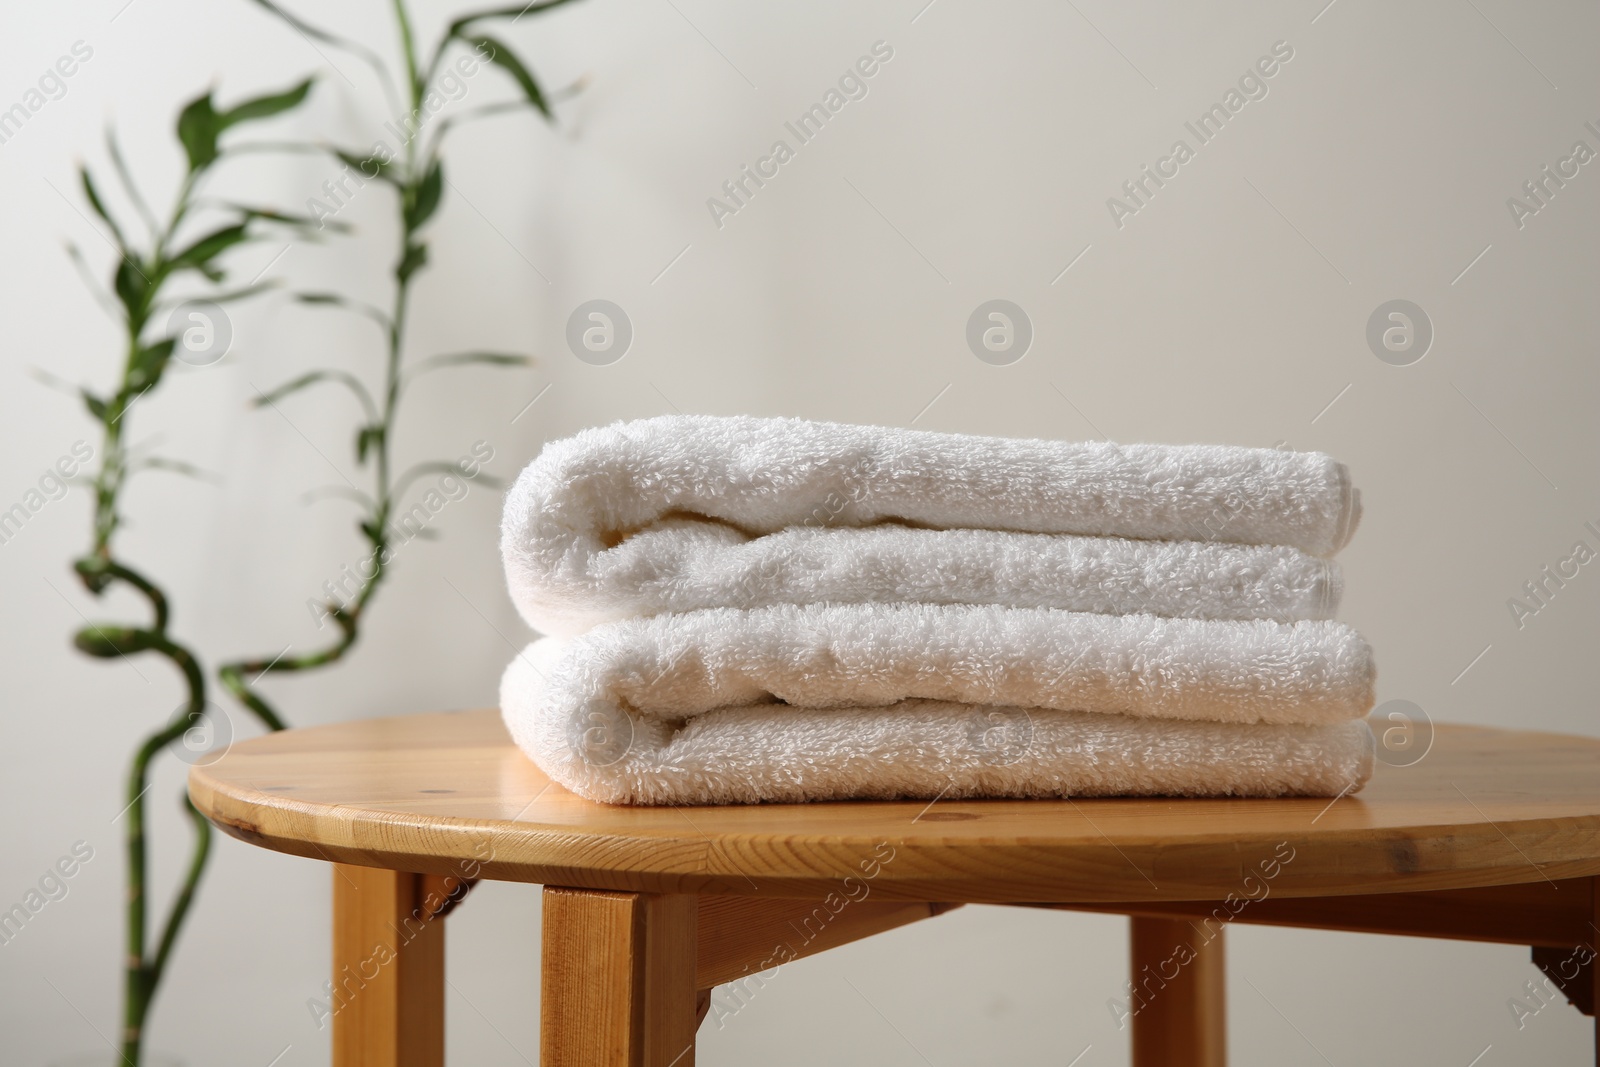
(1231, 308)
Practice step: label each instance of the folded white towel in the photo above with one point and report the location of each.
(927, 748)
(686, 512)
(881, 700)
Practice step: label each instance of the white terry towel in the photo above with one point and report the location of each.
(687, 512)
(904, 700)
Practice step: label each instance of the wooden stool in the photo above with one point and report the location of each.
(1495, 836)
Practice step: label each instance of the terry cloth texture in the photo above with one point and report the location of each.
(686, 512)
(748, 610)
(682, 709)
(752, 752)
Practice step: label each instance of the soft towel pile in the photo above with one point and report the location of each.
(745, 609)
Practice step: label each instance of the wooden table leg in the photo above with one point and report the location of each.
(387, 1000)
(1177, 1002)
(618, 985)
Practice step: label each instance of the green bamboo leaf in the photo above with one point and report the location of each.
(261, 107)
(441, 467)
(285, 218)
(442, 127)
(293, 385)
(503, 57)
(198, 129)
(437, 466)
(149, 362)
(316, 33)
(321, 298)
(426, 200)
(502, 13)
(99, 207)
(499, 359)
(50, 381)
(367, 437)
(120, 165)
(370, 166)
(335, 300)
(200, 124)
(132, 287)
(307, 28)
(91, 279)
(233, 294)
(462, 359)
(178, 466)
(415, 258)
(96, 406)
(310, 378)
(204, 249)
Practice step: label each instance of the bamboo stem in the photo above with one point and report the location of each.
(238, 676)
(139, 279)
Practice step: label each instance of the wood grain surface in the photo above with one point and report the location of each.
(617, 983)
(1178, 996)
(447, 793)
(387, 1001)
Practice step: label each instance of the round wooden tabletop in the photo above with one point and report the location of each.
(449, 794)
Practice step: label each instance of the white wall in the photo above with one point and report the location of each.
(1231, 308)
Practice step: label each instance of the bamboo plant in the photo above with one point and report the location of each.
(414, 174)
(142, 287)
(191, 243)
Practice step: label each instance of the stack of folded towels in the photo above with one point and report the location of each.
(742, 609)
